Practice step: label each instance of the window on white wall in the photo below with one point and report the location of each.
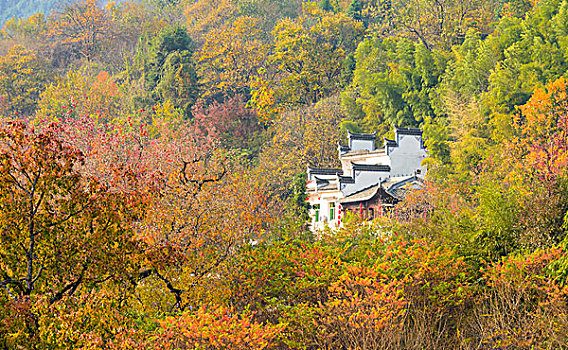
(331, 211)
(316, 212)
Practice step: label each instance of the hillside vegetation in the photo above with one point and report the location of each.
(152, 175)
(23, 8)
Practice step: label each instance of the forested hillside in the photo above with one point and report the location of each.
(152, 175)
(23, 8)
(18, 9)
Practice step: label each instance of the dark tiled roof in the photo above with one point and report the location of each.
(371, 137)
(324, 171)
(346, 179)
(396, 187)
(391, 143)
(408, 131)
(363, 195)
(369, 167)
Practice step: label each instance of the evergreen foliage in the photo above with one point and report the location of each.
(354, 10)
(325, 5)
(169, 72)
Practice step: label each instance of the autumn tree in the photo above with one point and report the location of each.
(543, 130)
(206, 15)
(269, 12)
(78, 30)
(82, 93)
(194, 204)
(128, 21)
(23, 78)
(217, 327)
(231, 57)
(23, 31)
(305, 136)
(523, 305)
(60, 230)
(237, 126)
(203, 209)
(433, 23)
(308, 53)
(46, 204)
(305, 62)
(199, 206)
(539, 157)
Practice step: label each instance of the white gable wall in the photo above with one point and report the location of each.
(407, 157)
(324, 200)
(359, 145)
(367, 158)
(363, 179)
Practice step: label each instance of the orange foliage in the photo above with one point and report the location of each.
(83, 24)
(363, 309)
(526, 306)
(218, 328)
(543, 130)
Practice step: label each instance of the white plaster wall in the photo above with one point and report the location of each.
(364, 179)
(357, 145)
(325, 198)
(407, 157)
(346, 166)
(371, 159)
(382, 159)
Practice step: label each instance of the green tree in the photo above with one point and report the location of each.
(394, 82)
(298, 197)
(488, 78)
(169, 70)
(325, 5)
(354, 10)
(178, 82)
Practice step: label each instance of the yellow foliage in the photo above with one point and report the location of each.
(81, 93)
(22, 79)
(231, 56)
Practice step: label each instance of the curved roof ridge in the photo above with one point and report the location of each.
(356, 136)
(371, 167)
(408, 131)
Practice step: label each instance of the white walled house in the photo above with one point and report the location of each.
(371, 180)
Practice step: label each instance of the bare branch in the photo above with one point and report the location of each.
(38, 274)
(177, 292)
(71, 287)
(5, 285)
